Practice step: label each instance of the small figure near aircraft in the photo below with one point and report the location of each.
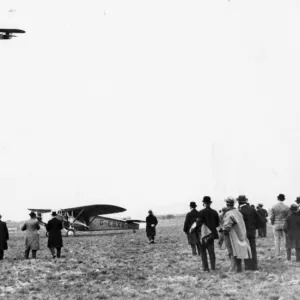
(54, 228)
(89, 218)
(151, 221)
(7, 33)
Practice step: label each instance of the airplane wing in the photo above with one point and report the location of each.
(10, 30)
(43, 211)
(95, 210)
(134, 221)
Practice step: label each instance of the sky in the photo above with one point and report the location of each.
(148, 105)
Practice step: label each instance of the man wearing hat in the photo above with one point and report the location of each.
(54, 228)
(151, 222)
(262, 232)
(208, 217)
(190, 229)
(252, 221)
(279, 214)
(235, 236)
(292, 231)
(4, 236)
(32, 240)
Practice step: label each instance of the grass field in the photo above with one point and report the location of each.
(125, 266)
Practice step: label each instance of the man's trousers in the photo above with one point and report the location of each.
(210, 248)
(251, 263)
(289, 254)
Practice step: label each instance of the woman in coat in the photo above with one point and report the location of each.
(32, 238)
(54, 228)
(151, 222)
(292, 231)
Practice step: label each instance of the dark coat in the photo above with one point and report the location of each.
(54, 228)
(210, 218)
(252, 220)
(150, 220)
(263, 213)
(190, 219)
(4, 236)
(292, 230)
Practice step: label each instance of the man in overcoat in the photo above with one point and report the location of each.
(252, 221)
(4, 236)
(208, 217)
(32, 239)
(279, 214)
(192, 235)
(235, 236)
(262, 232)
(54, 228)
(292, 231)
(151, 222)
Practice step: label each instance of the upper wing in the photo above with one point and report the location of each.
(43, 211)
(94, 210)
(9, 30)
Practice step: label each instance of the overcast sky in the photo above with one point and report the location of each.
(148, 104)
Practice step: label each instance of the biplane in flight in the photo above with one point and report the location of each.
(89, 218)
(7, 33)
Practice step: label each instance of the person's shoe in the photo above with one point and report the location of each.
(54, 256)
(205, 270)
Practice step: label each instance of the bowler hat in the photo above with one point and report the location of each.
(229, 201)
(298, 200)
(53, 213)
(150, 212)
(281, 197)
(32, 214)
(260, 205)
(242, 199)
(294, 207)
(207, 200)
(193, 205)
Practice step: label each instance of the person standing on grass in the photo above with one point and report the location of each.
(292, 231)
(4, 237)
(54, 228)
(235, 236)
(151, 222)
(32, 239)
(279, 213)
(262, 232)
(252, 221)
(189, 229)
(208, 217)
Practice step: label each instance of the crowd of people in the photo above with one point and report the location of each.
(236, 228)
(32, 238)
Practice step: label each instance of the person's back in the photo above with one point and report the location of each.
(54, 228)
(54, 225)
(250, 219)
(4, 236)
(279, 213)
(32, 225)
(210, 218)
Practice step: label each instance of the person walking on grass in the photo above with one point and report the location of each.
(262, 232)
(235, 236)
(54, 228)
(189, 228)
(208, 218)
(32, 239)
(292, 231)
(4, 237)
(151, 222)
(279, 213)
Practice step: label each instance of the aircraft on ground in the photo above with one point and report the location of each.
(7, 33)
(89, 218)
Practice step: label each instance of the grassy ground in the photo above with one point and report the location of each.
(124, 266)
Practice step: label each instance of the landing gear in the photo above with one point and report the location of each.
(70, 232)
